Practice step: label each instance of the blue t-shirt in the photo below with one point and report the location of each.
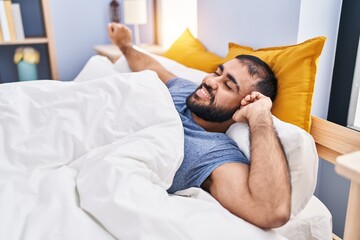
(203, 151)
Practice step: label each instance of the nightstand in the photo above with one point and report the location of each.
(113, 52)
(348, 166)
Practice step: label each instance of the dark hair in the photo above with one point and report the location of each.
(257, 68)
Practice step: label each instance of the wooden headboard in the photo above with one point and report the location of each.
(333, 140)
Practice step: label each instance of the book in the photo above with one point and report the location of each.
(19, 28)
(4, 22)
(10, 19)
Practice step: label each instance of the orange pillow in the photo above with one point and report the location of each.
(295, 68)
(190, 52)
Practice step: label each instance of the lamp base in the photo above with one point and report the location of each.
(136, 34)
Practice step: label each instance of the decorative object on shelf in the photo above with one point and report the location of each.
(23, 13)
(135, 13)
(27, 59)
(114, 11)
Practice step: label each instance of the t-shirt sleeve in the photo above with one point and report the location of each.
(179, 83)
(217, 156)
(179, 90)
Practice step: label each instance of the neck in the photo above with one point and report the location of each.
(212, 126)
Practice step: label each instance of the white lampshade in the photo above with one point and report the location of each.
(135, 12)
(169, 25)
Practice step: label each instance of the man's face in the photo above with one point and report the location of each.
(220, 93)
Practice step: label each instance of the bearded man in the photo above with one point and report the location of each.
(241, 90)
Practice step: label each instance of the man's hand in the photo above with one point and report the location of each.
(120, 35)
(252, 106)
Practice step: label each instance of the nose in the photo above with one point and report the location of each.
(211, 82)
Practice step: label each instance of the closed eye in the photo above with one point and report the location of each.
(230, 77)
(228, 85)
(217, 74)
(219, 70)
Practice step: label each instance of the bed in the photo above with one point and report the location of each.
(86, 160)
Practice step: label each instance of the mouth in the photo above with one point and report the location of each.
(204, 93)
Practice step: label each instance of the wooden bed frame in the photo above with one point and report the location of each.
(341, 146)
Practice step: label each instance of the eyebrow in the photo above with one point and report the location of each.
(230, 77)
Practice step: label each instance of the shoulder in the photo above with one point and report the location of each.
(226, 150)
(180, 83)
(180, 89)
(214, 147)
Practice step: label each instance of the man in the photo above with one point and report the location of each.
(258, 193)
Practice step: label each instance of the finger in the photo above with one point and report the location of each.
(247, 99)
(112, 29)
(244, 102)
(109, 28)
(236, 112)
(235, 116)
(238, 116)
(254, 95)
(258, 95)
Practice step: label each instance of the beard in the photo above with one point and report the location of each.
(209, 112)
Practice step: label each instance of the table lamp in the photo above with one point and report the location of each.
(135, 13)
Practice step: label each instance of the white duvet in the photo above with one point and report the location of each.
(93, 160)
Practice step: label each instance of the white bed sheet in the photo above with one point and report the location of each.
(93, 160)
(314, 222)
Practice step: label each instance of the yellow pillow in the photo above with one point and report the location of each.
(192, 53)
(295, 68)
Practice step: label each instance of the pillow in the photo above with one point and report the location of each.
(96, 67)
(301, 154)
(295, 68)
(190, 52)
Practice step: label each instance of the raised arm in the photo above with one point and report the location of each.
(120, 35)
(260, 193)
